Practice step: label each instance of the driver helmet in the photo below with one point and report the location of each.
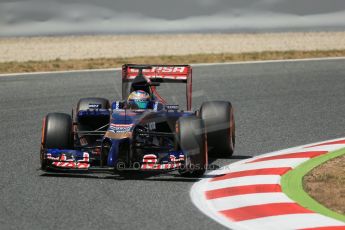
(139, 99)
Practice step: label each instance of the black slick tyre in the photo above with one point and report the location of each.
(218, 117)
(56, 134)
(192, 141)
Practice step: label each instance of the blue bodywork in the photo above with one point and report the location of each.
(131, 118)
(122, 123)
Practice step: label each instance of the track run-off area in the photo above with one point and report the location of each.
(278, 105)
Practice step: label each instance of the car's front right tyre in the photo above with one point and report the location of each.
(56, 134)
(192, 141)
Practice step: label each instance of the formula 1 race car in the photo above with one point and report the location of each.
(122, 136)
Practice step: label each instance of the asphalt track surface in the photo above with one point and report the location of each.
(277, 105)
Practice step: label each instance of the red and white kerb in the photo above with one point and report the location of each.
(248, 195)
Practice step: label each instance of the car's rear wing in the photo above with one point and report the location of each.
(159, 74)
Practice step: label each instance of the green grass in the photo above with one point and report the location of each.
(292, 185)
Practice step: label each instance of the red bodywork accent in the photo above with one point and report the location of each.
(189, 90)
(63, 162)
(150, 162)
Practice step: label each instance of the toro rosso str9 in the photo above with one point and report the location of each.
(121, 136)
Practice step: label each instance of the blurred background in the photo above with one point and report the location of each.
(79, 17)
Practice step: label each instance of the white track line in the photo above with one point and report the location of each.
(198, 64)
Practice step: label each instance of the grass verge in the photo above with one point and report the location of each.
(325, 183)
(100, 63)
(292, 185)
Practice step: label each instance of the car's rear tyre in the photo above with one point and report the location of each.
(56, 133)
(192, 141)
(84, 103)
(219, 120)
